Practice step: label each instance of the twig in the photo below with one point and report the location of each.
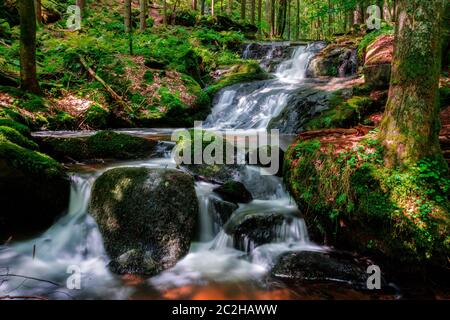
(29, 278)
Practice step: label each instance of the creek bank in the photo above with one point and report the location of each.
(147, 217)
(102, 145)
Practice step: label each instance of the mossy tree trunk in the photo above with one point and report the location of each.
(410, 125)
(28, 76)
(243, 9)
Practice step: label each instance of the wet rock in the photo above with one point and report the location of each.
(251, 229)
(302, 106)
(222, 210)
(234, 191)
(146, 217)
(336, 60)
(34, 190)
(320, 267)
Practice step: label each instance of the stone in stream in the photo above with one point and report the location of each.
(222, 210)
(234, 191)
(147, 217)
(336, 60)
(320, 267)
(251, 229)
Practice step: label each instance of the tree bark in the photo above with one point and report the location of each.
(410, 125)
(28, 75)
(143, 15)
(38, 4)
(230, 7)
(252, 11)
(127, 16)
(243, 9)
(259, 18)
(212, 8)
(194, 5)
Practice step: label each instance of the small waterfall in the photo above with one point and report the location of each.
(254, 105)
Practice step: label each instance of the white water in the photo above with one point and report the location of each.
(253, 105)
(74, 240)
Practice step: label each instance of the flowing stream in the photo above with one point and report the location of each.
(74, 241)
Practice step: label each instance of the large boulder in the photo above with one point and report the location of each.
(34, 188)
(304, 266)
(147, 217)
(378, 59)
(102, 145)
(336, 60)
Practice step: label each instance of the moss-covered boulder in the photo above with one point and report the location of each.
(351, 200)
(246, 71)
(34, 189)
(16, 137)
(147, 217)
(234, 191)
(222, 210)
(102, 145)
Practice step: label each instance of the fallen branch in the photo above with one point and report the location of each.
(113, 94)
(29, 278)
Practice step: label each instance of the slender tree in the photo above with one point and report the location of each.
(410, 125)
(243, 9)
(143, 15)
(252, 11)
(28, 76)
(38, 4)
(259, 18)
(127, 16)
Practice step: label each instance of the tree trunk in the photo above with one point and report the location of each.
(252, 11)
(28, 76)
(212, 8)
(38, 4)
(202, 7)
(272, 18)
(410, 125)
(230, 7)
(243, 9)
(82, 5)
(297, 33)
(143, 15)
(127, 16)
(194, 5)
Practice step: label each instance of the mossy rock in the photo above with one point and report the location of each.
(102, 145)
(246, 71)
(234, 191)
(16, 137)
(352, 201)
(34, 190)
(147, 217)
(21, 128)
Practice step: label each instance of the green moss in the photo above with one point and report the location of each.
(352, 199)
(22, 129)
(104, 144)
(244, 72)
(341, 113)
(16, 137)
(28, 161)
(370, 37)
(96, 116)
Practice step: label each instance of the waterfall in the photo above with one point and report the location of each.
(253, 105)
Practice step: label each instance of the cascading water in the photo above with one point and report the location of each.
(74, 240)
(253, 105)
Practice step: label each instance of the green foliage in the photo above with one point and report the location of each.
(96, 116)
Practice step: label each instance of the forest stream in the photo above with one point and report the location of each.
(214, 267)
